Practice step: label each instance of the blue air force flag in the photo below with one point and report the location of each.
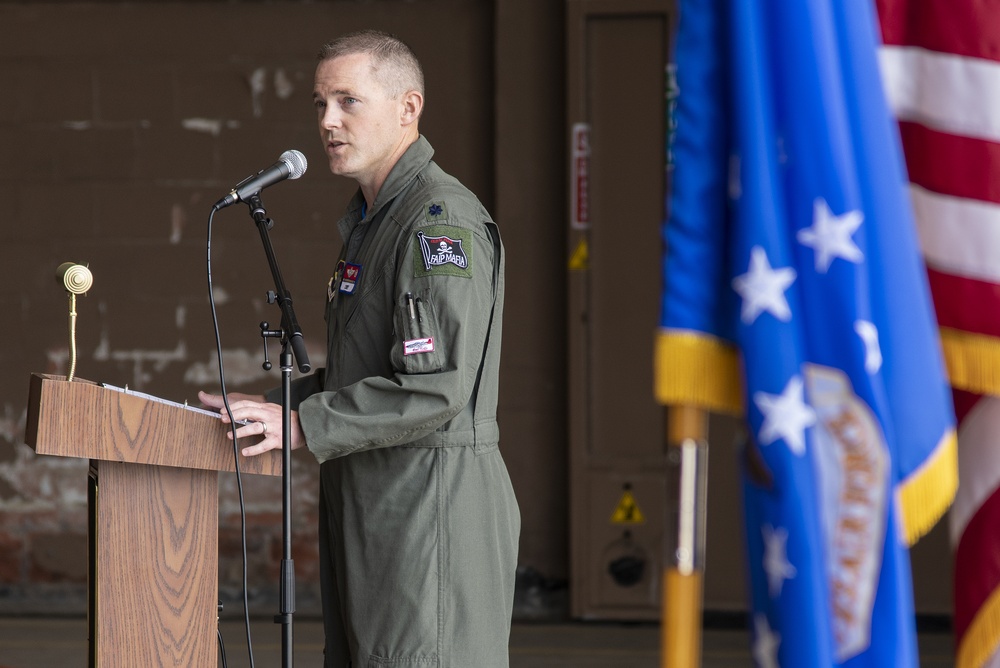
(795, 294)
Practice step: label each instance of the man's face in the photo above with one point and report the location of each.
(358, 123)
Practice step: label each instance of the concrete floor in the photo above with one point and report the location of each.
(62, 643)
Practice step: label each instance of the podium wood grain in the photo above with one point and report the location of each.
(154, 517)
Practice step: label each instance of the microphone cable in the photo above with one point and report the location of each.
(236, 452)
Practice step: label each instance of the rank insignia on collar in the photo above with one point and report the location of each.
(350, 277)
(443, 250)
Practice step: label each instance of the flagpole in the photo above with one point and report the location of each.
(681, 609)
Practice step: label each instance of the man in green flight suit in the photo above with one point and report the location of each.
(418, 520)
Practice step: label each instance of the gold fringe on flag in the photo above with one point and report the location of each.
(973, 360)
(928, 492)
(980, 639)
(699, 370)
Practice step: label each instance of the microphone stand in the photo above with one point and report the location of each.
(290, 335)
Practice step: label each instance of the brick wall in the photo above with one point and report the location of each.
(120, 125)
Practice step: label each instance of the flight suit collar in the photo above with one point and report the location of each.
(411, 163)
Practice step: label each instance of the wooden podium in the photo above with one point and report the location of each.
(153, 515)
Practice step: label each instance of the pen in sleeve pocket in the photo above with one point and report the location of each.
(409, 305)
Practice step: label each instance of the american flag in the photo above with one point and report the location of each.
(941, 68)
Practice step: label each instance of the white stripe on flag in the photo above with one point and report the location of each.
(945, 92)
(958, 236)
(979, 465)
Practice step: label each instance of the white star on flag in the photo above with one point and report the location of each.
(765, 645)
(830, 235)
(763, 288)
(786, 416)
(873, 351)
(776, 559)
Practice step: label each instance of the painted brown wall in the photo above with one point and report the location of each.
(120, 125)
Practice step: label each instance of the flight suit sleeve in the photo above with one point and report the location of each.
(444, 294)
(301, 388)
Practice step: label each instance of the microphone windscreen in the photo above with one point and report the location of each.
(296, 163)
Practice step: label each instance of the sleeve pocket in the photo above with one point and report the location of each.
(416, 348)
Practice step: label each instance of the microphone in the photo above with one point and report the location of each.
(290, 165)
(76, 278)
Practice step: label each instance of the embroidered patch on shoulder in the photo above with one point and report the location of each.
(443, 250)
(435, 212)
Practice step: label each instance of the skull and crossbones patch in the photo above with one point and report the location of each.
(443, 250)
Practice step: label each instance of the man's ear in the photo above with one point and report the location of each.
(412, 106)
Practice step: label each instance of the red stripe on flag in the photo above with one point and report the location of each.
(959, 167)
(977, 559)
(951, 165)
(964, 402)
(963, 28)
(965, 303)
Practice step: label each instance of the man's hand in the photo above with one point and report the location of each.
(265, 420)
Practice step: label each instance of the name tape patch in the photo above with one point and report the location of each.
(417, 346)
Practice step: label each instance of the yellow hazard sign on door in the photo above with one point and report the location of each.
(580, 259)
(627, 511)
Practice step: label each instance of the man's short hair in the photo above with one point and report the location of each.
(393, 62)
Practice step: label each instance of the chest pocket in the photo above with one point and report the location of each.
(416, 348)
